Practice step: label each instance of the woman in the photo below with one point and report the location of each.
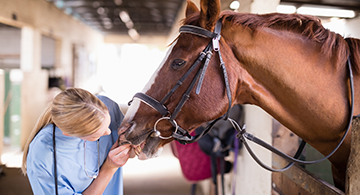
(87, 157)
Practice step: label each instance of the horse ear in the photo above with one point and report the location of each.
(191, 8)
(209, 13)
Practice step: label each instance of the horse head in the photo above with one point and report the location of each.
(168, 102)
(287, 64)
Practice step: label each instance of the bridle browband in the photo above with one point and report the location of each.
(184, 137)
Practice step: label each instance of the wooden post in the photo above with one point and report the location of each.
(353, 168)
(251, 178)
(296, 180)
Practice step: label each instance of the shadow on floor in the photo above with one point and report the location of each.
(160, 176)
(13, 182)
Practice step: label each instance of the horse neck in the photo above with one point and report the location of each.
(285, 74)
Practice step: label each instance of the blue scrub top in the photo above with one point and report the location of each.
(70, 159)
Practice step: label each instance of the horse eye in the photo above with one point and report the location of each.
(177, 64)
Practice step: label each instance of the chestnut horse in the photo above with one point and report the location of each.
(287, 64)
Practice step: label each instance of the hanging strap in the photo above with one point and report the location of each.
(55, 169)
(214, 171)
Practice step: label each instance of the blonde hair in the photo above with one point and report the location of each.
(75, 111)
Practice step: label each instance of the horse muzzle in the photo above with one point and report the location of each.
(145, 142)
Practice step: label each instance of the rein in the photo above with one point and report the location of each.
(184, 137)
(243, 135)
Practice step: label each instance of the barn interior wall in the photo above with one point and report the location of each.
(12, 48)
(37, 18)
(2, 84)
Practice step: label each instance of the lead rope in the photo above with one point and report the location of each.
(55, 169)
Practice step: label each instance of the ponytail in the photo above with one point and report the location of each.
(44, 119)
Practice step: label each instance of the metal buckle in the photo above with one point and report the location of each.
(157, 132)
(215, 42)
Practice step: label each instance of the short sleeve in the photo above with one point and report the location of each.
(40, 168)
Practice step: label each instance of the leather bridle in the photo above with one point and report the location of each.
(184, 137)
(180, 134)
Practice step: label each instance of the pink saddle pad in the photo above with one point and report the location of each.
(195, 164)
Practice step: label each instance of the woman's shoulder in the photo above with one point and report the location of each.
(114, 109)
(109, 103)
(44, 136)
(41, 147)
(106, 100)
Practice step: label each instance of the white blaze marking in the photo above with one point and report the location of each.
(136, 102)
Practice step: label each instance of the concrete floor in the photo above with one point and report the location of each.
(158, 176)
(13, 182)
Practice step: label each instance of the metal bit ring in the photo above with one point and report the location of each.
(157, 132)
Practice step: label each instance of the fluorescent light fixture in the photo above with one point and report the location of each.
(129, 24)
(286, 9)
(133, 34)
(326, 12)
(124, 16)
(234, 5)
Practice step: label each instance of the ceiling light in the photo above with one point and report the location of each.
(129, 24)
(286, 9)
(100, 10)
(59, 4)
(326, 12)
(124, 16)
(108, 26)
(118, 2)
(234, 5)
(68, 10)
(133, 34)
(96, 4)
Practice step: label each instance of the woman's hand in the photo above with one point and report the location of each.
(117, 156)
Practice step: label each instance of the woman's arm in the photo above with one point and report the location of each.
(117, 157)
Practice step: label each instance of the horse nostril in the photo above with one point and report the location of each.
(123, 134)
(123, 142)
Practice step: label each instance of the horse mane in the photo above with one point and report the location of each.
(332, 44)
(354, 45)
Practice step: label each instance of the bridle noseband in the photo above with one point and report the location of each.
(180, 134)
(184, 137)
